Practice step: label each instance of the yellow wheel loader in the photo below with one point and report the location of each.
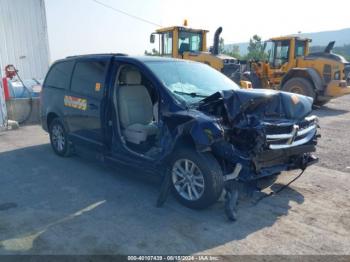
(290, 67)
(187, 43)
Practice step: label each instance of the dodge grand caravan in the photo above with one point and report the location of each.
(178, 119)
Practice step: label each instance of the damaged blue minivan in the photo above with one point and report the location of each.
(178, 119)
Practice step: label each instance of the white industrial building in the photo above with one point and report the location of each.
(24, 38)
(23, 42)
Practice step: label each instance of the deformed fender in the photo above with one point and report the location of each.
(202, 130)
(204, 133)
(308, 73)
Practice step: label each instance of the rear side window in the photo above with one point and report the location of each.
(299, 48)
(59, 75)
(88, 78)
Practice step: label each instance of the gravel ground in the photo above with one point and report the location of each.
(334, 146)
(53, 205)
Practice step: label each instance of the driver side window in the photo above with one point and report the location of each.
(167, 40)
(281, 53)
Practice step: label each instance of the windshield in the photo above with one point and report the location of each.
(189, 41)
(189, 81)
(278, 52)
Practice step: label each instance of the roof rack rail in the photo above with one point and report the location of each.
(102, 54)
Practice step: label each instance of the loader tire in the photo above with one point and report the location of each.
(300, 86)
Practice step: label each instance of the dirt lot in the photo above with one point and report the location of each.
(51, 205)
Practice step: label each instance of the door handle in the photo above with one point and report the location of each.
(93, 106)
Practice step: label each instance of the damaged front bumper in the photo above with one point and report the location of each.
(275, 161)
(266, 163)
(287, 147)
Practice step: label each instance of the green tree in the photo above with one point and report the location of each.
(230, 51)
(221, 45)
(256, 49)
(233, 51)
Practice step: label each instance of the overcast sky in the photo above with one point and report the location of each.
(83, 26)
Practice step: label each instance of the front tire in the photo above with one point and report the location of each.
(300, 86)
(196, 178)
(59, 138)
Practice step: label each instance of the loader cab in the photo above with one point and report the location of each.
(175, 41)
(284, 51)
(284, 54)
(187, 43)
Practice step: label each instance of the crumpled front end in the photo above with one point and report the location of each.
(288, 145)
(264, 133)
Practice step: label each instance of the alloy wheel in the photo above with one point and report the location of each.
(188, 179)
(58, 138)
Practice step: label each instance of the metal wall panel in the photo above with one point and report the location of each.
(3, 112)
(23, 37)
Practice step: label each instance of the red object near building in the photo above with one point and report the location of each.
(10, 72)
(6, 88)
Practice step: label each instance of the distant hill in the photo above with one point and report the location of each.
(342, 37)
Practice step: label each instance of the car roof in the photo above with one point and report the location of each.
(121, 55)
(155, 58)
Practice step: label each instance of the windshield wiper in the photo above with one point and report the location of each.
(192, 94)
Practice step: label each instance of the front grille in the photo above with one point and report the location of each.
(288, 135)
(278, 129)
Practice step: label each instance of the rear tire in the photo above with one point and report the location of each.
(59, 138)
(299, 85)
(202, 187)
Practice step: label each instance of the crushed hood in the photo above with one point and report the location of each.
(262, 102)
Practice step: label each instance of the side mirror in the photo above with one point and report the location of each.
(152, 38)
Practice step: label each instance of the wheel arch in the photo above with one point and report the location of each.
(50, 117)
(185, 140)
(308, 73)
